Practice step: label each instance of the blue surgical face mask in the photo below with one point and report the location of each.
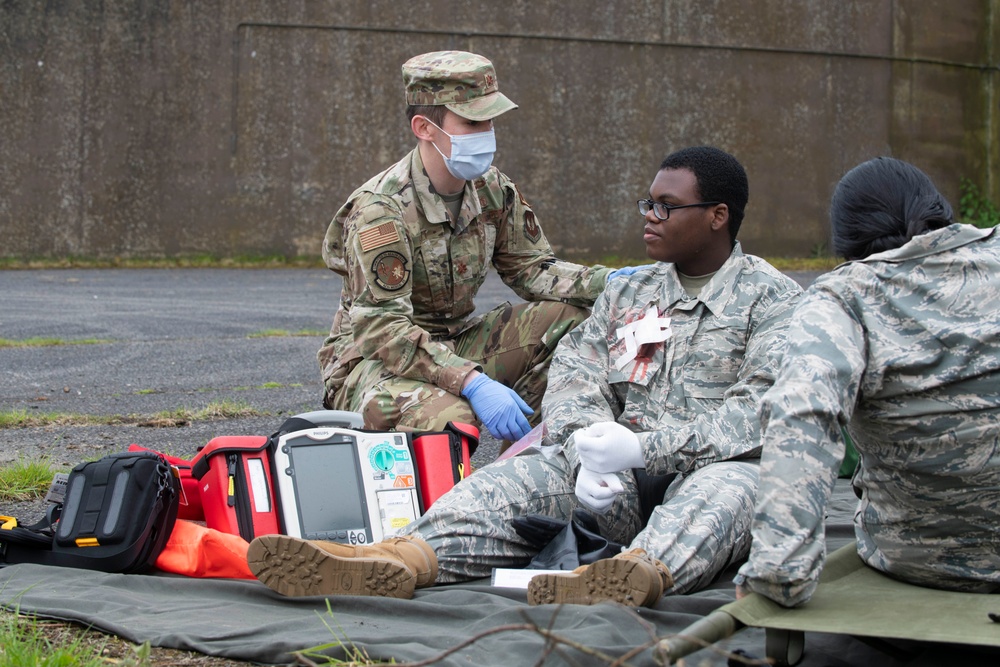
(471, 154)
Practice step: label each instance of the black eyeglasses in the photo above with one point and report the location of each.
(662, 211)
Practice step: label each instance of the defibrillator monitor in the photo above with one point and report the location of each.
(341, 485)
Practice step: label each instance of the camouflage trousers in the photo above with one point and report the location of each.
(701, 527)
(512, 343)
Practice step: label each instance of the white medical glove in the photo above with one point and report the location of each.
(597, 491)
(608, 447)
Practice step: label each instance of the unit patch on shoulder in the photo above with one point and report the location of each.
(390, 270)
(531, 229)
(378, 236)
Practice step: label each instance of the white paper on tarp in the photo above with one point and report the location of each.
(517, 578)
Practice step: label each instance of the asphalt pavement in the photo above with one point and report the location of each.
(171, 339)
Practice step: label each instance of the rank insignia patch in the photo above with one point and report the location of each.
(376, 237)
(390, 270)
(531, 229)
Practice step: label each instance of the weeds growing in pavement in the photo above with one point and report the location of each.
(50, 342)
(25, 479)
(179, 417)
(284, 333)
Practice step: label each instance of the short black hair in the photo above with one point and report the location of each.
(881, 204)
(435, 112)
(719, 176)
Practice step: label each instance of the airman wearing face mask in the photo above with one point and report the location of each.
(471, 154)
(414, 245)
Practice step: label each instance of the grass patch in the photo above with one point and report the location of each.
(28, 641)
(975, 208)
(25, 479)
(26, 419)
(50, 342)
(48, 643)
(282, 333)
(36, 642)
(194, 261)
(144, 392)
(226, 410)
(179, 417)
(266, 385)
(316, 655)
(219, 410)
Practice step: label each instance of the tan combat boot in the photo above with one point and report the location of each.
(632, 578)
(413, 551)
(295, 567)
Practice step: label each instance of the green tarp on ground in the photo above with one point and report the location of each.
(245, 620)
(854, 599)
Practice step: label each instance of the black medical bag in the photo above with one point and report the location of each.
(116, 516)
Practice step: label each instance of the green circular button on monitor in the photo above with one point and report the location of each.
(382, 458)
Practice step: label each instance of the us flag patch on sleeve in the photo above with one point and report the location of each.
(376, 237)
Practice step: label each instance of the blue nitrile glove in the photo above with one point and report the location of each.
(499, 408)
(626, 271)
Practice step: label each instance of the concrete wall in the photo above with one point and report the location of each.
(154, 128)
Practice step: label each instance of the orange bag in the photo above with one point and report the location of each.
(196, 551)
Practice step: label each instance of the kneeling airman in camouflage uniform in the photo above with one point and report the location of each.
(901, 344)
(414, 245)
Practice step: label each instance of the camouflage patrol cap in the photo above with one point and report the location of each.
(463, 82)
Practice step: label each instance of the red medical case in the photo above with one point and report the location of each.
(235, 481)
(442, 459)
(239, 495)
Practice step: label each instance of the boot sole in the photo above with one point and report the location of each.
(295, 567)
(628, 582)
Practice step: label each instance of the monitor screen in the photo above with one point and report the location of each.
(328, 490)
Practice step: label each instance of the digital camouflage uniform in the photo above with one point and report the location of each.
(403, 341)
(903, 348)
(692, 400)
